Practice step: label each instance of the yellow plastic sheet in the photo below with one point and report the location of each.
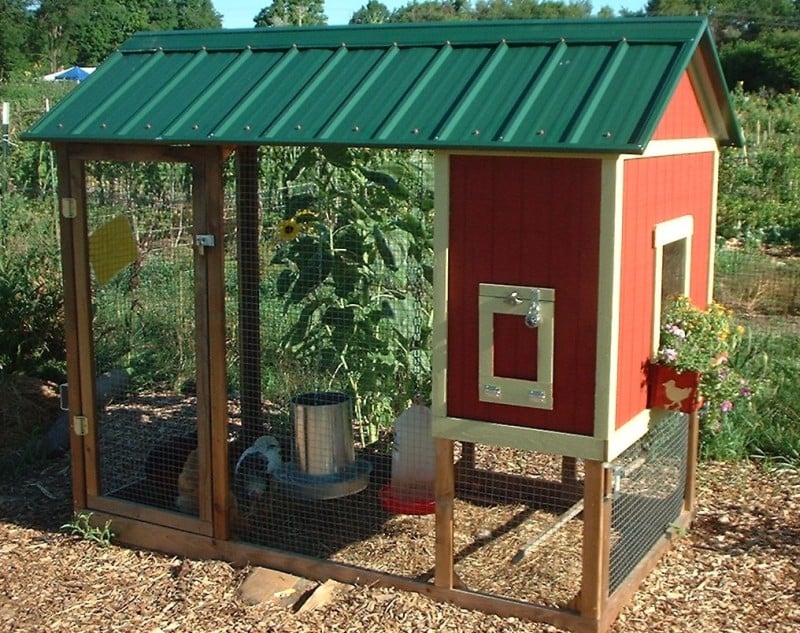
(112, 247)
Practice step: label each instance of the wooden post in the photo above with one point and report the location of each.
(212, 382)
(247, 208)
(73, 344)
(692, 456)
(445, 498)
(596, 540)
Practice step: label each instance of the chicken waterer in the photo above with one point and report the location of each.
(324, 464)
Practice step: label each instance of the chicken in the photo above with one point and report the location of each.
(187, 499)
(675, 394)
(254, 469)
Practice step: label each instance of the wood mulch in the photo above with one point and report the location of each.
(736, 570)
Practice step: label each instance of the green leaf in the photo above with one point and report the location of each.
(345, 277)
(339, 317)
(386, 309)
(306, 159)
(383, 248)
(338, 156)
(350, 240)
(284, 282)
(385, 181)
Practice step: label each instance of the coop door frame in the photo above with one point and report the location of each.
(497, 299)
(207, 204)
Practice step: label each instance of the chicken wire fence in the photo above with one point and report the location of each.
(649, 481)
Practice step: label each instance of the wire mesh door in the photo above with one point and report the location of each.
(143, 302)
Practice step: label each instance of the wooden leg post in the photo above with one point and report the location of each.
(692, 455)
(596, 540)
(445, 497)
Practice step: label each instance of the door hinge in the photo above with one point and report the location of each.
(80, 424)
(69, 207)
(202, 241)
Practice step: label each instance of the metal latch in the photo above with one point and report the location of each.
(80, 423)
(201, 241)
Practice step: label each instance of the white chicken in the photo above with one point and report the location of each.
(254, 469)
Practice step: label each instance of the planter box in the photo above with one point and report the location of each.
(668, 388)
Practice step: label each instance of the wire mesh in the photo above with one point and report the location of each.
(141, 256)
(330, 324)
(518, 531)
(650, 479)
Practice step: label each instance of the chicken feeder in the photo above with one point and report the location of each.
(325, 466)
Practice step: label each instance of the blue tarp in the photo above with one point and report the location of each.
(76, 73)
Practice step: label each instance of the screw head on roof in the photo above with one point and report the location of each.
(415, 131)
(607, 134)
(147, 126)
(60, 125)
(104, 125)
(298, 127)
(476, 132)
(246, 128)
(356, 128)
(195, 127)
(540, 132)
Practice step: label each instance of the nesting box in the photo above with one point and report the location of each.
(590, 245)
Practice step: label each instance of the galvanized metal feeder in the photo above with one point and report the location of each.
(325, 466)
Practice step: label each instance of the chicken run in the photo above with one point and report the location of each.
(384, 298)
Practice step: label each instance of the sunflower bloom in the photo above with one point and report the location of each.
(288, 229)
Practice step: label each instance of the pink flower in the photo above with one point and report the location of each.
(726, 405)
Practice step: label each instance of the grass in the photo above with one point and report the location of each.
(768, 426)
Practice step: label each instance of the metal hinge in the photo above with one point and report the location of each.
(69, 207)
(201, 241)
(80, 424)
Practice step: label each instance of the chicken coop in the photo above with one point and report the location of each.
(376, 302)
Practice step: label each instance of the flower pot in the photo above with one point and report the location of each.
(668, 388)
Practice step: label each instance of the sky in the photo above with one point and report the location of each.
(238, 14)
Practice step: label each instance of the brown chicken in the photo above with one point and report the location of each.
(188, 493)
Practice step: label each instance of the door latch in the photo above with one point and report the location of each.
(201, 241)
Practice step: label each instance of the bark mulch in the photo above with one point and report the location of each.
(736, 570)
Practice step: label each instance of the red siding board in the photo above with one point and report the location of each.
(655, 190)
(684, 116)
(535, 222)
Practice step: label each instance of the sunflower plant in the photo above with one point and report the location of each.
(352, 261)
(704, 341)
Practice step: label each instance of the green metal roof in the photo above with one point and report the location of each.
(583, 85)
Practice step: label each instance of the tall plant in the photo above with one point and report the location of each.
(353, 254)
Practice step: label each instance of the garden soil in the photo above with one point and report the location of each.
(736, 570)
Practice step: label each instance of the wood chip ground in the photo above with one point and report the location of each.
(735, 571)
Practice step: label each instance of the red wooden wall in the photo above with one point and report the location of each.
(683, 117)
(533, 222)
(656, 189)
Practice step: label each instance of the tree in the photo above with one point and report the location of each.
(197, 14)
(373, 12)
(431, 11)
(13, 33)
(292, 13)
(531, 9)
